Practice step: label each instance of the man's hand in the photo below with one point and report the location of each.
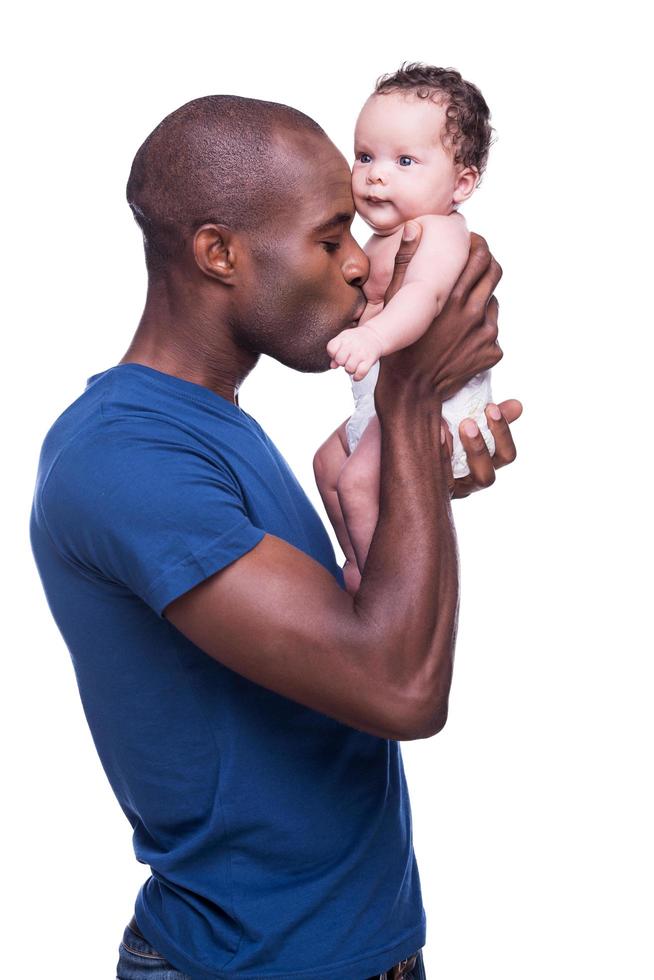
(471, 306)
(482, 465)
(462, 340)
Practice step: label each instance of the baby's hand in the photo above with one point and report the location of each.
(356, 349)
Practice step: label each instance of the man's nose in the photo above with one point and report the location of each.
(357, 268)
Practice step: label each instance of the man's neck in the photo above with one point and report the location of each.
(189, 345)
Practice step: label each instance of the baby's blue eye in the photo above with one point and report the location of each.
(367, 159)
(405, 161)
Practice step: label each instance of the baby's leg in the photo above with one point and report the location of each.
(358, 490)
(328, 464)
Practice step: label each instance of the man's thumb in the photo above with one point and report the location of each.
(410, 232)
(408, 246)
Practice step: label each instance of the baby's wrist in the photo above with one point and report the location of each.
(379, 338)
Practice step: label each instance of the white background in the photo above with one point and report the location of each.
(532, 811)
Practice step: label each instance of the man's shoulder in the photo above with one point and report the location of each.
(115, 413)
(97, 440)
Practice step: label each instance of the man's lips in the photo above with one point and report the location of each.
(358, 313)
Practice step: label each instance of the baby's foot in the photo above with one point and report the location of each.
(356, 349)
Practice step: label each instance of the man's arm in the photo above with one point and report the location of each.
(380, 662)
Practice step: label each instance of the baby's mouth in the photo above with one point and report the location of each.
(377, 200)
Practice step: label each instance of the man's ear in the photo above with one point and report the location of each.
(466, 182)
(215, 252)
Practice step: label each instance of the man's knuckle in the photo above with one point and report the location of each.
(490, 332)
(505, 455)
(477, 313)
(487, 480)
(492, 356)
(478, 447)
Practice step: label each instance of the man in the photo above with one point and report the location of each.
(246, 708)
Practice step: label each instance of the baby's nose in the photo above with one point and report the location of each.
(376, 174)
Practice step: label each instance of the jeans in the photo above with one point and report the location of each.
(138, 960)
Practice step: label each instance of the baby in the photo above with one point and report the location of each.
(421, 145)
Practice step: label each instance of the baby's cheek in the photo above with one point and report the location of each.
(415, 201)
(359, 202)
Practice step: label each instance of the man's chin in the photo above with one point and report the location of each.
(308, 363)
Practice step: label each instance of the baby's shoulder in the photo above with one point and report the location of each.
(443, 224)
(442, 234)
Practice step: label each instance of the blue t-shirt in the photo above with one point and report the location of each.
(278, 839)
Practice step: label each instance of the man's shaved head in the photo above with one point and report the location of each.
(216, 159)
(245, 208)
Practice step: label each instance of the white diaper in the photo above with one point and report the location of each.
(470, 402)
(364, 406)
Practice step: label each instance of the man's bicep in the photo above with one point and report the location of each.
(279, 618)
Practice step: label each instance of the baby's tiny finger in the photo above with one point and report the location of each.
(363, 369)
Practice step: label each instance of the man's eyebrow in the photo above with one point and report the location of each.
(342, 218)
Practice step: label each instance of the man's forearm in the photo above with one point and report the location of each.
(409, 592)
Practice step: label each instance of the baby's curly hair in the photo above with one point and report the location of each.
(467, 114)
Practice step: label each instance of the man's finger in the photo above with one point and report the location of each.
(479, 260)
(406, 251)
(511, 409)
(482, 470)
(505, 451)
(482, 291)
(488, 344)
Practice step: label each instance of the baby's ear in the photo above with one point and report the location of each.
(466, 182)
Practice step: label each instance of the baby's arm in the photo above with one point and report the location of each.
(430, 276)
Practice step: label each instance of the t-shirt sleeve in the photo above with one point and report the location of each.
(147, 508)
